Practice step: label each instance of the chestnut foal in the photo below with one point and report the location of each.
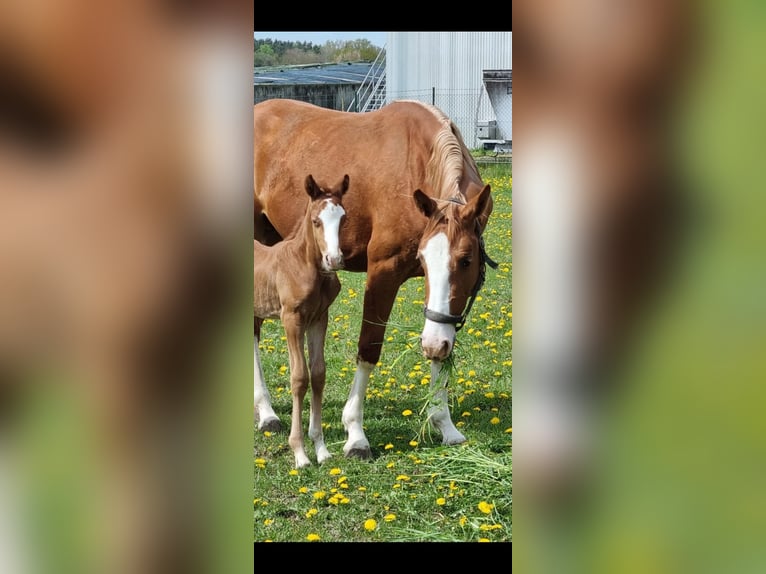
(295, 280)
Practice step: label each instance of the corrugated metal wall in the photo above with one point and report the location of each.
(446, 67)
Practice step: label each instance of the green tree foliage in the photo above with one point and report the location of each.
(268, 52)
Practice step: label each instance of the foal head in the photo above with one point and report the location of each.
(453, 259)
(326, 214)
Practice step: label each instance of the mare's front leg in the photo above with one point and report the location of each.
(299, 382)
(316, 334)
(438, 411)
(380, 293)
(267, 418)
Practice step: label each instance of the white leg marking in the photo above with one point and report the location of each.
(353, 411)
(261, 397)
(437, 338)
(438, 412)
(551, 315)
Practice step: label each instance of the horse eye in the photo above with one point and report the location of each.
(315, 222)
(465, 262)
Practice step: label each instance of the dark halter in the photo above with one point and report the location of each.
(459, 320)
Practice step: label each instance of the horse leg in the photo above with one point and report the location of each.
(438, 411)
(268, 420)
(299, 382)
(379, 296)
(316, 341)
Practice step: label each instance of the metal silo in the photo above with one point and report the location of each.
(446, 69)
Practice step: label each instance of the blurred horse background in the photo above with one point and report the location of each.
(123, 158)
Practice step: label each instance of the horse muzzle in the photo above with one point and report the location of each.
(437, 340)
(334, 262)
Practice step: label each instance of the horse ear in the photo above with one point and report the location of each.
(424, 203)
(344, 186)
(477, 206)
(312, 188)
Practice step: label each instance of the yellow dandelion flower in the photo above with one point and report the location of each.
(311, 512)
(462, 520)
(494, 420)
(485, 507)
(406, 412)
(268, 522)
(389, 446)
(334, 471)
(362, 489)
(490, 395)
(345, 500)
(319, 495)
(390, 517)
(342, 479)
(260, 461)
(303, 489)
(413, 443)
(402, 477)
(509, 430)
(370, 524)
(483, 539)
(267, 433)
(312, 537)
(293, 472)
(441, 501)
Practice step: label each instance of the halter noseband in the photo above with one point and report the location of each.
(459, 320)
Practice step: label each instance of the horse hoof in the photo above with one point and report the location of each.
(454, 439)
(270, 425)
(302, 462)
(362, 453)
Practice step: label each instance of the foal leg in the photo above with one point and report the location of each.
(299, 382)
(438, 412)
(268, 420)
(316, 341)
(379, 297)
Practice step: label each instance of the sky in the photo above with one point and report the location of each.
(318, 38)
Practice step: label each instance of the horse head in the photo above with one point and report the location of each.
(327, 214)
(451, 252)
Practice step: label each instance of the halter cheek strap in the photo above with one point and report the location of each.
(459, 320)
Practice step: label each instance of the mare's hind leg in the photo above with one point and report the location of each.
(379, 296)
(316, 341)
(299, 383)
(267, 418)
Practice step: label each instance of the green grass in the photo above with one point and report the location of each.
(414, 488)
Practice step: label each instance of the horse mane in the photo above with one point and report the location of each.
(449, 156)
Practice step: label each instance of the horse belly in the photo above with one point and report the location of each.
(266, 302)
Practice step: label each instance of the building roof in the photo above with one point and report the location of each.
(346, 73)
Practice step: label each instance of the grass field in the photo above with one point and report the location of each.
(413, 488)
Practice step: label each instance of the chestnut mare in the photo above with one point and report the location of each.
(419, 207)
(295, 280)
